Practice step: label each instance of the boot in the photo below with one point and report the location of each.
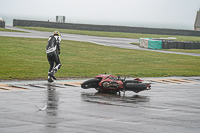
(50, 80)
(51, 74)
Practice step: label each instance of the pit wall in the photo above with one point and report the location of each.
(108, 28)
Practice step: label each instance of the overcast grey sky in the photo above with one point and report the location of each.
(179, 14)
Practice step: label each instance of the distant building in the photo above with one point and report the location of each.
(2, 23)
(60, 19)
(197, 21)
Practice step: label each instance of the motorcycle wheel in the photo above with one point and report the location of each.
(132, 81)
(136, 87)
(92, 83)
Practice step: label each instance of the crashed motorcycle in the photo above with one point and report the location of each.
(112, 84)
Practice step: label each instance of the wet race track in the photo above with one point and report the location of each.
(172, 106)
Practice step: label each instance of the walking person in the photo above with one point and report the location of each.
(53, 51)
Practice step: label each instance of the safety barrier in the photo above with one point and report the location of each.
(169, 44)
(158, 43)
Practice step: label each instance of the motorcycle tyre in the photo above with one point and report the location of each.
(91, 83)
(132, 81)
(135, 87)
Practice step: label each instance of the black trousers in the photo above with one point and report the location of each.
(54, 61)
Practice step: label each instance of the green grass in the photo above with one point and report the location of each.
(8, 30)
(197, 51)
(25, 58)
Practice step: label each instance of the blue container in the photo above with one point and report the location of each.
(155, 44)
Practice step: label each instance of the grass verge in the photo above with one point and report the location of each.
(197, 51)
(25, 58)
(8, 30)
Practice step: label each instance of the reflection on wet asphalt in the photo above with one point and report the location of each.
(114, 99)
(52, 108)
(52, 98)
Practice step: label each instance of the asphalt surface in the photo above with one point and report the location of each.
(106, 41)
(171, 106)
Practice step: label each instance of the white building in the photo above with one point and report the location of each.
(197, 21)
